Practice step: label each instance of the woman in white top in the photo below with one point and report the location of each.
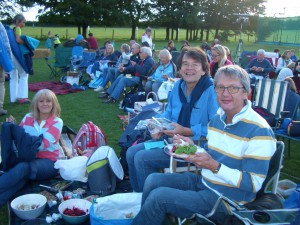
(147, 37)
(284, 60)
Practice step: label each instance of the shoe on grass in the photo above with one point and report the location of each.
(103, 95)
(100, 88)
(110, 100)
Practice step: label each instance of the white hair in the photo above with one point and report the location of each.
(261, 51)
(166, 53)
(147, 50)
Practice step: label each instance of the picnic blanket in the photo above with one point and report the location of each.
(57, 87)
(34, 187)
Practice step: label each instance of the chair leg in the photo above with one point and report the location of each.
(289, 149)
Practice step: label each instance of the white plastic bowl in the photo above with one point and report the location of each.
(29, 200)
(286, 187)
(79, 203)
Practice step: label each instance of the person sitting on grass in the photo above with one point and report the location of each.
(139, 70)
(36, 140)
(240, 146)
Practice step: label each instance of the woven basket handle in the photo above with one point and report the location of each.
(154, 94)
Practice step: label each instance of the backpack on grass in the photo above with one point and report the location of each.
(89, 137)
(103, 169)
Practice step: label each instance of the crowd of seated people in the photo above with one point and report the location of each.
(101, 66)
(111, 72)
(199, 107)
(140, 71)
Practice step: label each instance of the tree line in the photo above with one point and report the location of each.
(198, 17)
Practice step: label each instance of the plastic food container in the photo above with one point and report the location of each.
(286, 187)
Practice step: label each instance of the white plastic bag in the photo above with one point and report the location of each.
(117, 206)
(73, 169)
(164, 90)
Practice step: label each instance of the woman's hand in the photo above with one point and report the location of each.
(165, 77)
(156, 136)
(11, 119)
(133, 63)
(178, 129)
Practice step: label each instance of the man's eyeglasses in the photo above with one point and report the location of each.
(230, 89)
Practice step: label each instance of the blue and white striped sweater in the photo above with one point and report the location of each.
(244, 148)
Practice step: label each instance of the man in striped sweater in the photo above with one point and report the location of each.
(240, 146)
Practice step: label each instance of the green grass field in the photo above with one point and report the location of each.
(78, 108)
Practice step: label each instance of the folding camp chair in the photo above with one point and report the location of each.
(291, 111)
(61, 62)
(248, 216)
(270, 95)
(88, 58)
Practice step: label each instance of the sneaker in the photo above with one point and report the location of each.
(100, 88)
(103, 95)
(3, 112)
(23, 101)
(110, 100)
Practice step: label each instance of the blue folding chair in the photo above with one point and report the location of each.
(88, 58)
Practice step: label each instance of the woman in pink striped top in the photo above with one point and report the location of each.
(43, 119)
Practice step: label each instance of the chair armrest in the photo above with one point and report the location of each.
(230, 202)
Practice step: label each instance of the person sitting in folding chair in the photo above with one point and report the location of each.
(259, 67)
(140, 70)
(240, 146)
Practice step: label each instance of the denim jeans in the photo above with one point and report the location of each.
(152, 86)
(111, 75)
(142, 162)
(117, 87)
(14, 179)
(180, 195)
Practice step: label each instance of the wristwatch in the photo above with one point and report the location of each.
(218, 168)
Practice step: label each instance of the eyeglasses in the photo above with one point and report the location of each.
(214, 56)
(230, 89)
(193, 66)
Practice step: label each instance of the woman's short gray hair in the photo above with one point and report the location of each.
(166, 53)
(235, 72)
(146, 50)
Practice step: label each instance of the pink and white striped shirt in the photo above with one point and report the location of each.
(50, 129)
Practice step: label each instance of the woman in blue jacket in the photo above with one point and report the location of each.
(191, 105)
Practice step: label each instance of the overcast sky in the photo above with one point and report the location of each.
(275, 8)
